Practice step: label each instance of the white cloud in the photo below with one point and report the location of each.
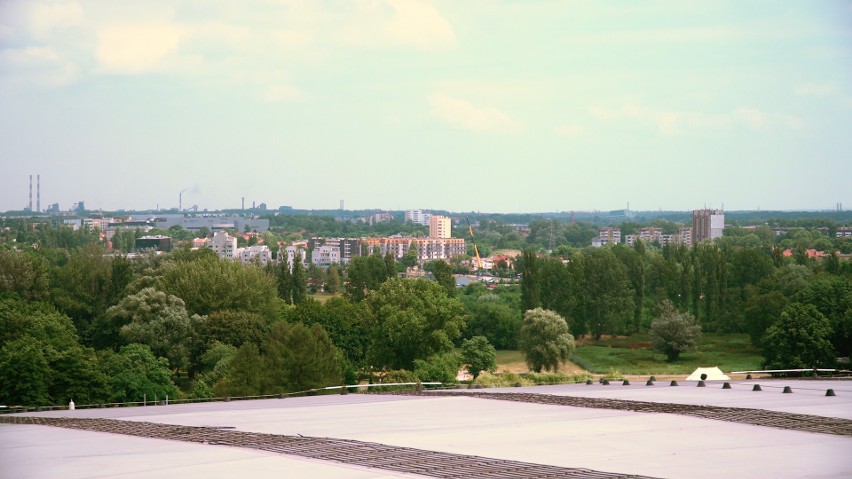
(419, 24)
(465, 115)
(655, 36)
(815, 89)
(569, 130)
(36, 65)
(393, 23)
(284, 92)
(751, 117)
(45, 18)
(669, 122)
(136, 48)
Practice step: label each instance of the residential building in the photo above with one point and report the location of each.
(325, 256)
(397, 246)
(347, 248)
(440, 227)
(607, 236)
(429, 249)
(417, 217)
(707, 224)
(223, 245)
(290, 254)
(257, 253)
(651, 234)
(97, 223)
(377, 217)
(843, 232)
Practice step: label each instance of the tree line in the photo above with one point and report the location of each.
(79, 323)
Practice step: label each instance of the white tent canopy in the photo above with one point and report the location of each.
(713, 374)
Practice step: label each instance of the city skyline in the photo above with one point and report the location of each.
(406, 104)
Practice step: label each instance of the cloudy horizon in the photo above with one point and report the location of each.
(464, 106)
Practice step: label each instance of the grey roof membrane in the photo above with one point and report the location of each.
(605, 440)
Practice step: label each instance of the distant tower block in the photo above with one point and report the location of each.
(341, 204)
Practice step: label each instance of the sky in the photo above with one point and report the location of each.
(478, 105)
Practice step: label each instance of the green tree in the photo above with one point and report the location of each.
(530, 282)
(761, 311)
(390, 265)
(344, 321)
(799, 339)
(77, 375)
(633, 260)
(135, 372)
(409, 259)
(608, 300)
(299, 358)
(364, 274)
(209, 284)
(25, 274)
(25, 373)
(497, 321)
(156, 319)
(545, 340)
(299, 279)
(411, 319)
(443, 273)
(41, 357)
(479, 355)
(284, 281)
(232, 327)
(831, 295)
(674, 332)
(81, 285)
(332, 282)
(442, 368)
(244, 374)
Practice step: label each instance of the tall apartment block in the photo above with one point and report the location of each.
(439, 227)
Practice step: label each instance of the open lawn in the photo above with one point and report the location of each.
(633, 355)
(323, 297)
(511, 360)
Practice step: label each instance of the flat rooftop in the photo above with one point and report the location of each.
(605, 440)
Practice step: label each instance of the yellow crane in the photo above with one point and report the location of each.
(475, 249)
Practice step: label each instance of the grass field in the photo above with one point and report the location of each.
(323, 297)
(632, 355)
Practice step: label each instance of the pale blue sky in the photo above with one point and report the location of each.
(498, 106)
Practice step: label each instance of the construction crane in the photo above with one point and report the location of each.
(475, 249)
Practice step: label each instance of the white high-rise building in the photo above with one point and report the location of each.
(223, 244)
(418, 217)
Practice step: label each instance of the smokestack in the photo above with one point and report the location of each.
(38, 192)
(30, 205)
